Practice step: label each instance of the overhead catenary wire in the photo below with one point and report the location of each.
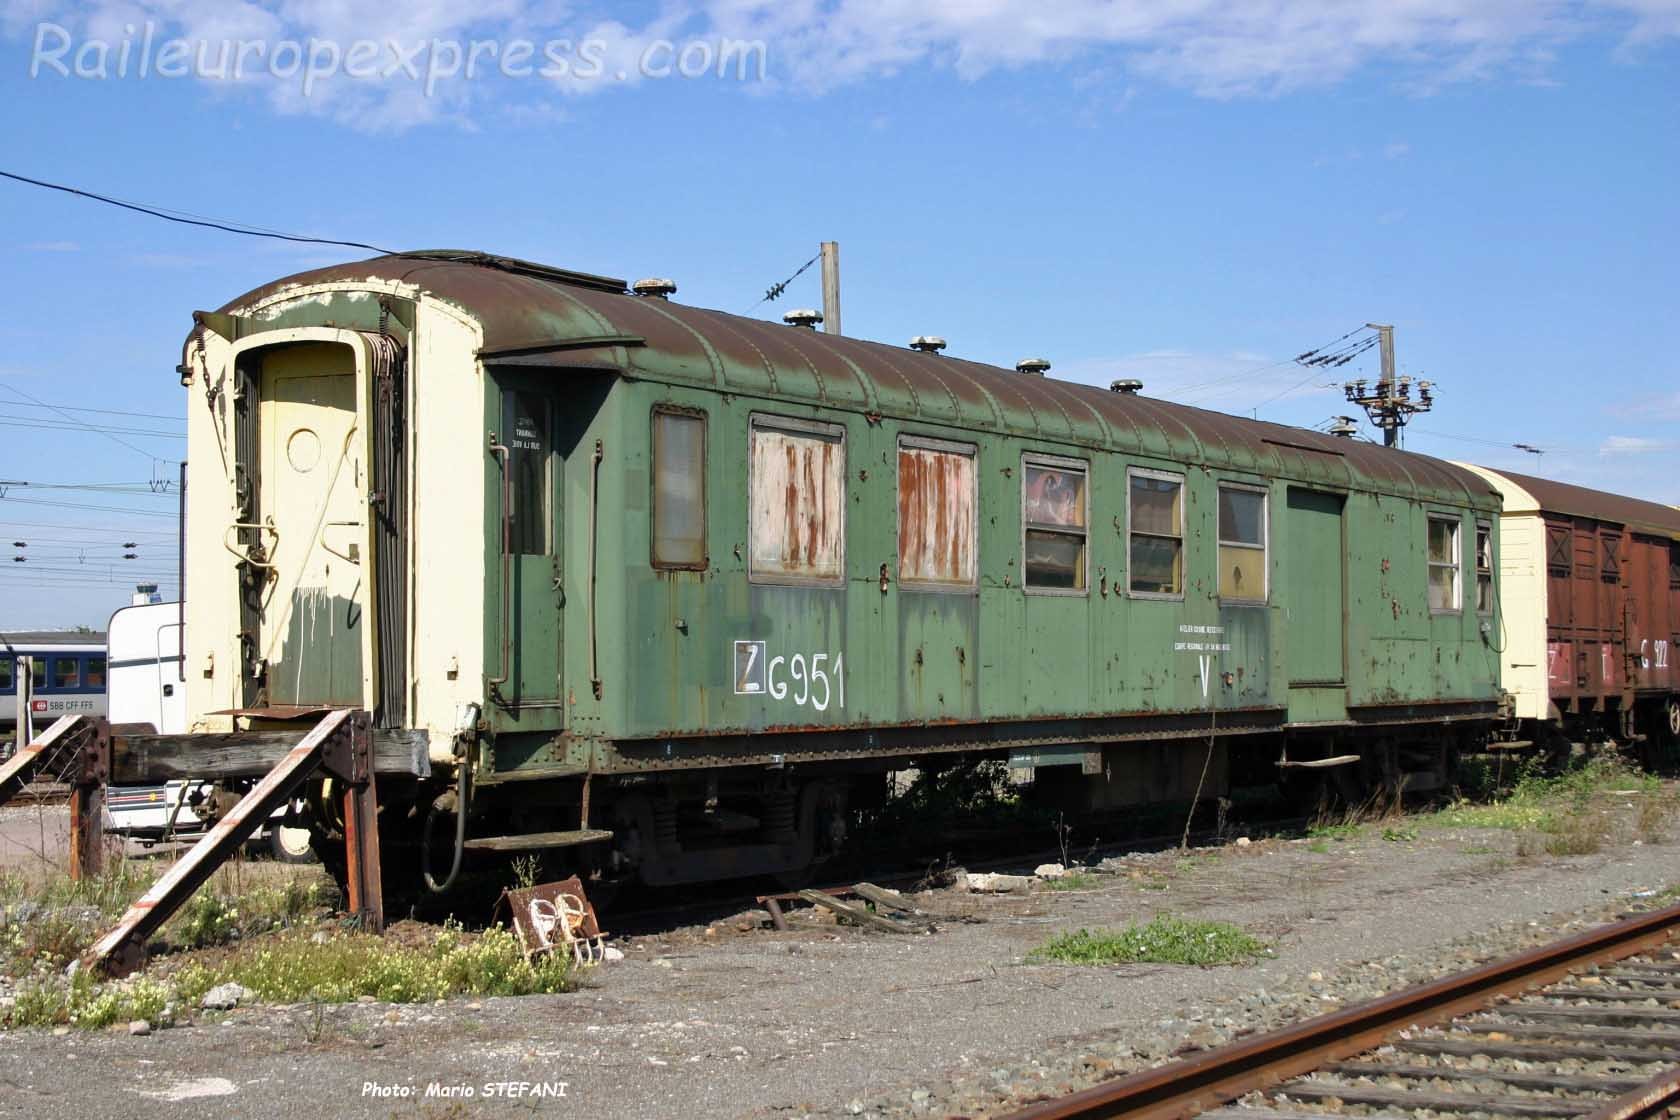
(89, 506)
(106, 411)
(182, 218)
(13, 389)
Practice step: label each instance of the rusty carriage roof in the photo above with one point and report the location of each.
(1598, 505)
(537, 316)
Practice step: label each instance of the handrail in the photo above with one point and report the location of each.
(498, 449)
(259, 526)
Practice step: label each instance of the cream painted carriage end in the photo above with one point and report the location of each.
(445, 505)
(1520, 622)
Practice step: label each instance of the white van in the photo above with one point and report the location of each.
(147, 684)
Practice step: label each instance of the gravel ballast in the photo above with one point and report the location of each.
(734, 1020)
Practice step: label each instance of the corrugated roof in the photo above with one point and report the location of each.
(532, 315)
(1579, 501)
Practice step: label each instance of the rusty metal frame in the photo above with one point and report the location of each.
(1215, 1077)
(341, 744)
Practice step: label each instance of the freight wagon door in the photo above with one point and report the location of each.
(1316, 579)
(312, 477)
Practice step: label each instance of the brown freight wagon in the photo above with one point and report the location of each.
(1590, 608)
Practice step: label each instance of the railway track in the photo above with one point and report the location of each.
(1584, 1027)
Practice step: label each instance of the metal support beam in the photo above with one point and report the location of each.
(123, 948)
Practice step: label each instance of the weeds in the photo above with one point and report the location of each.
(1396, 834)
(298, 969)
(1165, 940)
(1072, 881)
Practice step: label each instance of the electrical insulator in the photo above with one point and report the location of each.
(131, 556)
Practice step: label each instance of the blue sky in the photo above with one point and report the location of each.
(1170, 190)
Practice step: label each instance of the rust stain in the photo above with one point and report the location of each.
(936, 508)
(797, 512)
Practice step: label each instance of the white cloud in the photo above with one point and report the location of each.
(1634, 445)
(1234, 382)
(1260, 48)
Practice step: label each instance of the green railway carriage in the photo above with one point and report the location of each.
(674, 584)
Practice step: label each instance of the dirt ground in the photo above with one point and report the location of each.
(733, 1020)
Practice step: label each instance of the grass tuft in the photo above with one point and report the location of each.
(1072, 881)
(1165, 940)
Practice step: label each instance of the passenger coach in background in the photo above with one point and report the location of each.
(668, 590)
(1591, 612)
(67, 678)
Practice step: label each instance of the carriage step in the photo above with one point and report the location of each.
(536, 841)
(1320, 763)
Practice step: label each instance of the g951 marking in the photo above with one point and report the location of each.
(816, 680)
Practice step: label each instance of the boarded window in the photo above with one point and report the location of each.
(937, 514)
(798, 508)
(1610, 564)
(530, 443)
(679, 490)
(67, 672)
(95, 672)
(1157, 533)
(1443, 564)
(1242, 543)
(1484, 567)
(1053, 518)
(1559, 549)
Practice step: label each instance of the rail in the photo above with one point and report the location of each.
(1209, 1080)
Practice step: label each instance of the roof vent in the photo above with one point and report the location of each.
(1130, 386)
(1344, 427)
(927, 343)
(1038, 367)
(655, 287)
(803, 317)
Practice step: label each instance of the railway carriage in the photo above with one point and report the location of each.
(670, 589)
(67, 672)
(1591, 594)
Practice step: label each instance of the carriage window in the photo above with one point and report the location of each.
(95, 672)
(1443, 564)
(1242, 543)
(1484, 567)
(529, 443)
(1054, 517)
(679, 490)
(38, 672)
(937, 514)
(797, 501)
(1157, 531)
(6, 681)
(67, 672)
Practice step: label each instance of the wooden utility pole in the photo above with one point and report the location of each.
(1392, 404)
(831, 286)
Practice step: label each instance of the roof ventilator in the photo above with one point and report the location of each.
(655, 287)
(803, 317)
(927, 343)
(1129, 386)
(1037, 367)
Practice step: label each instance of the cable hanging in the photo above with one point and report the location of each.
(775, 291)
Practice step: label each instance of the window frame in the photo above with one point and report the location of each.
(1492, 580)
(74, 660)
(1219, 542)
(699, 414)
(1065, 463)
(1181, 537)
(950, 447)
(794, 425)
(8, 674)
(550, 506)
(1456, 521)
